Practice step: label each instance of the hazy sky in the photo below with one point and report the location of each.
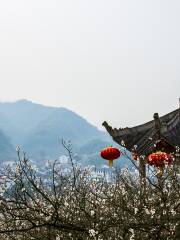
(114, 60)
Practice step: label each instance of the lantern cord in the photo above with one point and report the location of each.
(110, 163)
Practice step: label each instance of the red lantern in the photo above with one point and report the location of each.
(159, 159)
(110, 154)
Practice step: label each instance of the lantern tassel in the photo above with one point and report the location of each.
(161, 171)
(110, 163)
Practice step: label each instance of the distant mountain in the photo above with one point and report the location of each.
(38, 129)
(20, 118)
(7, 151)
(94, 146)
(61, 124)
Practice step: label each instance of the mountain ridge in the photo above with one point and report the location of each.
(38, 128)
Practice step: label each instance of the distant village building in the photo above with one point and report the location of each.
(104, 173)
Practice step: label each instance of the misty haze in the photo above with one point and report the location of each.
(89, 120)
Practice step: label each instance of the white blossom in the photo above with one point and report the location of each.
(92, 212)
(92, 232)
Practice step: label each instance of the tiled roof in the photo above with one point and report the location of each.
(166, 128)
